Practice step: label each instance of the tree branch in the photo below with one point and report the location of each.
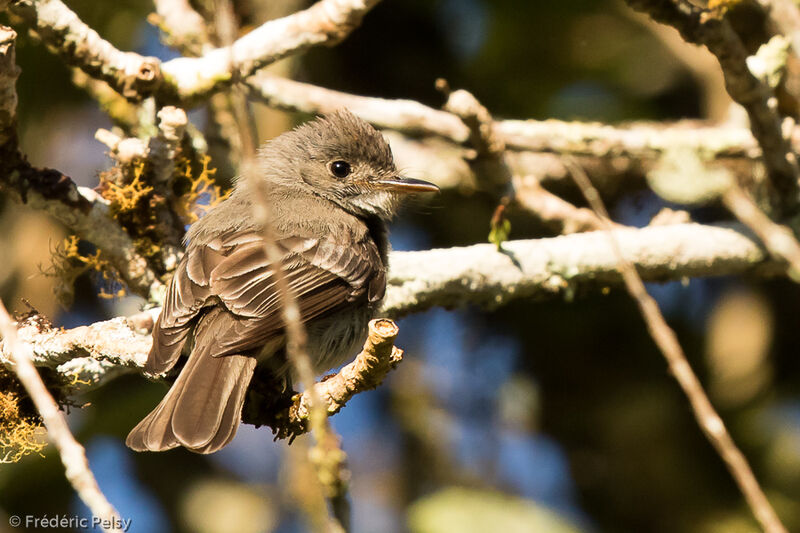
(80, 209)
(635, 140)
(72, 453)
(186, 80)
(132, 75)
(558, 267)
(366, 372)
(406, 116)
(700, 26)
(667, 341)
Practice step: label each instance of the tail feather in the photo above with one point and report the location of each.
(201, 411)
(232, 413)
(154, 432)
(203, 408)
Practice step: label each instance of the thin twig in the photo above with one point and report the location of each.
(666, 340)
(779, 239)
(327, 455)
(326, 452)
(72, 453)
(552, 209)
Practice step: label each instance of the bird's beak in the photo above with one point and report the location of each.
(401, 184)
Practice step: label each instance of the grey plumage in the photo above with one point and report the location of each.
(332, 233)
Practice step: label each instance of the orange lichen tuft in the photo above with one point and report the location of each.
(128, 197)
(68, 263)
(721, 7)
(19, 435)
(202, 194)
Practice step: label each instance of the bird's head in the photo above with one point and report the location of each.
(343, 159)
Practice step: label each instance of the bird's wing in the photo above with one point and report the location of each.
(234, 272)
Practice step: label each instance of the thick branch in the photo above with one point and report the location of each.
(189, 79)
(87, 356)
(540, 269)
(547, 268)
(130, 74)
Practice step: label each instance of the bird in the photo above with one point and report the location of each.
(332, 187)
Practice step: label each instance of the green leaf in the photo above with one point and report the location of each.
(500, 232)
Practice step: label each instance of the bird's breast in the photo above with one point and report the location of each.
(336, 339)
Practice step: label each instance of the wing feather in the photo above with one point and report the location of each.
(234, 271)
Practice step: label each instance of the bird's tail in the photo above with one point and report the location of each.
(203, 408)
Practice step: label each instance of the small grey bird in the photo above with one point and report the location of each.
(332, 187)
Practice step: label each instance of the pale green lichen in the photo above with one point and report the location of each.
(682, 177)
(769, 63)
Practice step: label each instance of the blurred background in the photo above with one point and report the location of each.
(547, 416)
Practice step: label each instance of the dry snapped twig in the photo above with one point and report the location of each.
(366, 372)
(72, 453)
(666, 340)
(699, 26)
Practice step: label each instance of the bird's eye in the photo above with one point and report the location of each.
(340, 169)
